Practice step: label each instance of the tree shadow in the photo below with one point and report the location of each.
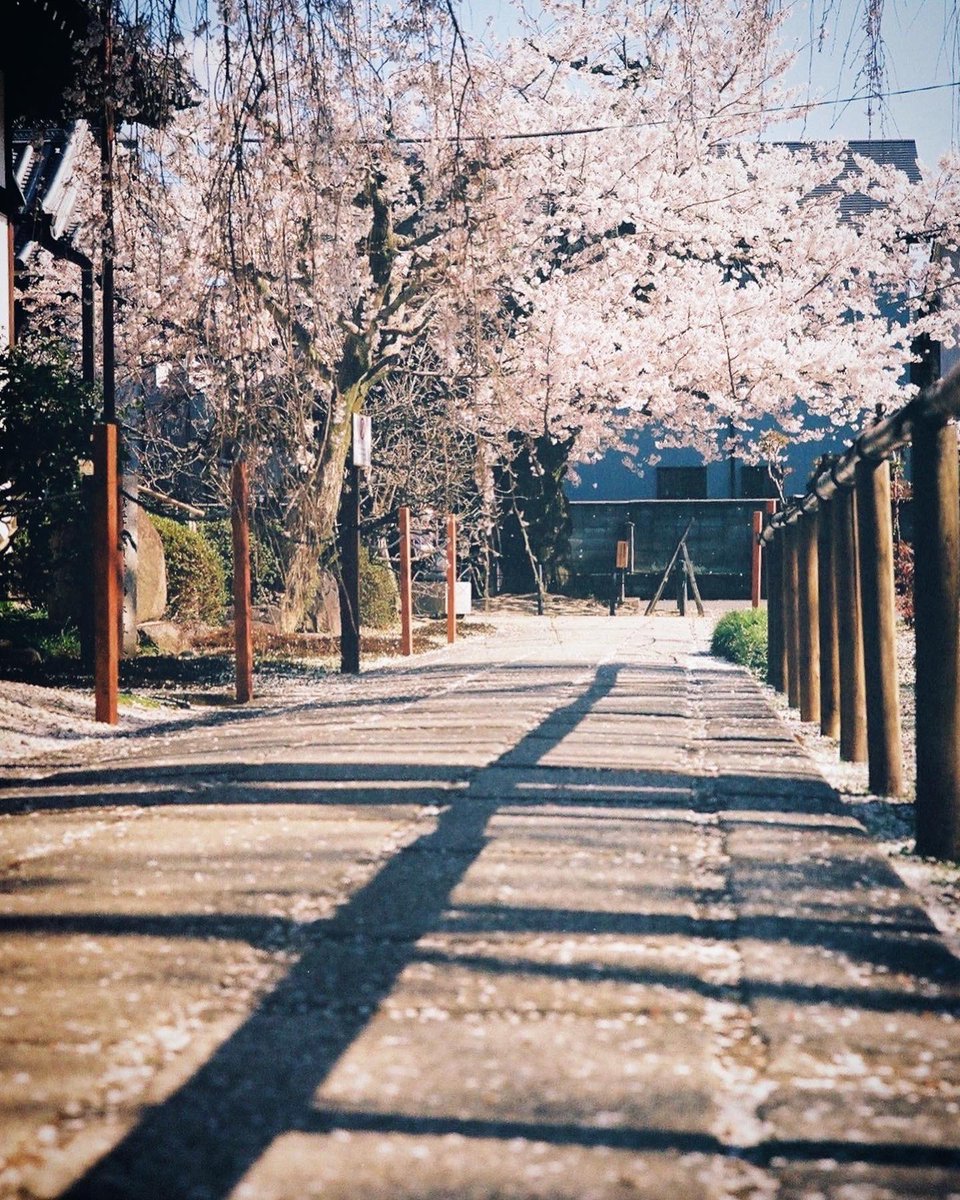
(261, 1082)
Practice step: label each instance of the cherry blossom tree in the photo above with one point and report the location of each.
(691, 275)
(587, 225)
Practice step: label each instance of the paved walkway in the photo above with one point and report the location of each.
(565, 913)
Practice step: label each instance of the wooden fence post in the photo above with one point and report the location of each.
(829, 643)
(756, 525)
(107, 573)
(875, 530)
(936, 591)
(350, 576)
(776, 647)
(451, 578)
(242, 615)
(808, 596)
(406, 585)
(846, 584)
(790, 580)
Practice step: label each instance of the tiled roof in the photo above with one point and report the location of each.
(43, 169)
(885, 152)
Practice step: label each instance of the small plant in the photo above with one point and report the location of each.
(25, 627)
(196, 582)
(378, 592)
(903, 580)
(741, 637)
(60, 643)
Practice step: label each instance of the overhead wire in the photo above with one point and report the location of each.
(578, 131)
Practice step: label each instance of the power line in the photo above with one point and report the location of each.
(577, 131)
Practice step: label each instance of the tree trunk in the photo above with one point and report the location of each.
(312, 520)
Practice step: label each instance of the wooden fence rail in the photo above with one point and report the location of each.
(831, 629)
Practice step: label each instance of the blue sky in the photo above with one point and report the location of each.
(920, 52)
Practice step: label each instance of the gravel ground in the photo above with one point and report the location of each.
(36, 722)
(887, 819)
(38, 719)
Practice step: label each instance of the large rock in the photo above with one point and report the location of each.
(151, 571)
(324, 614)
(165, 636)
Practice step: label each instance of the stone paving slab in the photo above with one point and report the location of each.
(562, 912)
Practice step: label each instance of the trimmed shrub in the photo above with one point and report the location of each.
(47, 415)
(741, 637)
(378, 592)
(266, 567)
(196, 582)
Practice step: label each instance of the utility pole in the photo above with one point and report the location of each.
(360, 460)
(106, 534)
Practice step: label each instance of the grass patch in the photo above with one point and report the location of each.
(23, 627)
(741, 637)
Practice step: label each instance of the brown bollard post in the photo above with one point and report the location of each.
(829, 643)
(756, 525)
(846, 586)
(107, 573)
(350, 575)
(406, 585)
(451, 578)
(808, 595)
(776, 647)
(242, 614)
(875, 532)
(936, 591)
(791, 612)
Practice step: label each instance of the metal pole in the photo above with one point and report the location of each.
(776, 648)
(829, 641)
(242, 600)
(756, 525)
(406, 585)
(846, 583)
(936, 591)
(791, 609)
(875, 530)
(451, 578)
(107, 581)
(808, 596)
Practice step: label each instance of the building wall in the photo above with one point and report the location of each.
(719, 541)
(611, 479)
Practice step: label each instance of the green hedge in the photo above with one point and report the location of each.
(379, 595)
(266, 567)
(741, 637)
(196, 582)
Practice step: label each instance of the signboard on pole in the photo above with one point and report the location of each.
(362, 441)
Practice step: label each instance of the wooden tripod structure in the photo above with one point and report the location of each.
(686, 574)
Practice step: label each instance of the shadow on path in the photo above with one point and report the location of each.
(261, 1083)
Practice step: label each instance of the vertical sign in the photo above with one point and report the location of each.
(362, 441)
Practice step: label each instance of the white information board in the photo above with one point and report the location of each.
(362, 440)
